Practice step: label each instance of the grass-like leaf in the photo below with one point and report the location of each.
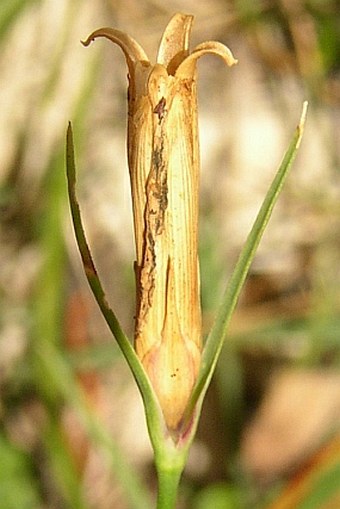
(154, 415)
(218, 332)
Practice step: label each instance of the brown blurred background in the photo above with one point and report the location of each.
(274, 404)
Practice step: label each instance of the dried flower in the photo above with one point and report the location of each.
(163, 156)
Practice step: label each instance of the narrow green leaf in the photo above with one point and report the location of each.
(218, 332)
(153, 412)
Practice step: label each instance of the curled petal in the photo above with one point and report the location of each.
(174, 45)
(132, 50)
(187, 68)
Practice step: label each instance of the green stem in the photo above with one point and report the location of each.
(168, 481)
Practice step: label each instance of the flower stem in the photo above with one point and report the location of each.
(168, 481)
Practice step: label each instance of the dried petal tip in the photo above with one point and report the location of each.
(88, 41)
(132, 50)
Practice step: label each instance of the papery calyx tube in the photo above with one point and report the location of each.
(163, 157)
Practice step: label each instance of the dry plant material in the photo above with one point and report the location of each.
(280, 437)
(163, 156)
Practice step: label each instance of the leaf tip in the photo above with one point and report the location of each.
(302, 122)
(70, 165)
(304, 113)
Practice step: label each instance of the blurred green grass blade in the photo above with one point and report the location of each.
(60, 376)
(48, 315)
(324, 490)
(48, 307)
(9, 12)
(219, 496)
(317, 484)
(97, 357)
(49, 295)
(64, 470)
(18, 487)
(218, 332)
(229, 380)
